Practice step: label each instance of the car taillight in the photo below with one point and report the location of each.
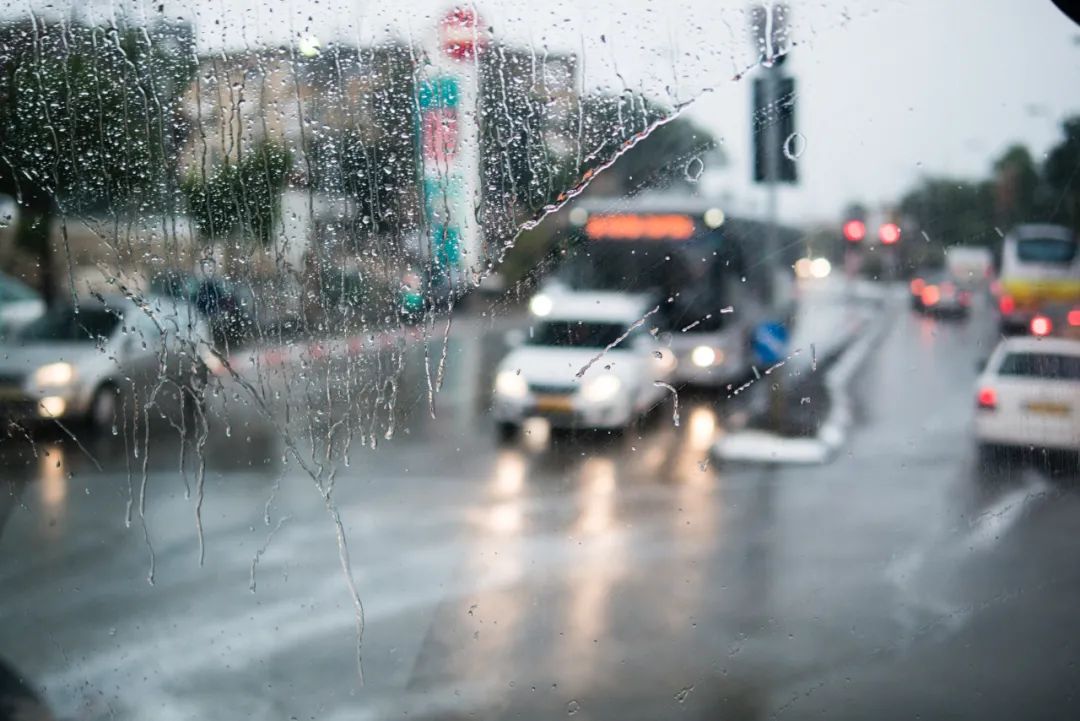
(1041, 325)
(987, 398)
(931, 295)
(917, 285)
(1006, 304)
(1074, 317)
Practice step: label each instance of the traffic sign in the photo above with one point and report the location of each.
(770, 342)
(461, 34)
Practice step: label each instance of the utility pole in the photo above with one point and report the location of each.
(774, 137)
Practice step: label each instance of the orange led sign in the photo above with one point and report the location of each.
(636, 227)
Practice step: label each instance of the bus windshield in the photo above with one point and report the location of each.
(626, 267)
(1046, 250)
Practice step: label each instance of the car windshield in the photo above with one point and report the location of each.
(1051, 366)
(12, 290)
(1046, 250)
(576, 334)
(539, 359)
(67, 325)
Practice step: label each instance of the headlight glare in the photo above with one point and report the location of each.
(602, 388)
(54, 374)
(510, 384)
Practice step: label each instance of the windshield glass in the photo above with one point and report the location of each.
(576, 334)
(1046, 250)
(1053, 366)
(67, 325)
(539, 359)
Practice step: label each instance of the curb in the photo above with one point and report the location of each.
(755, 446)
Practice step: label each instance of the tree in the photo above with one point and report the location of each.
(1020, 194)
(244, 197)
(1061, 171)
(952, 211)
(89, 121)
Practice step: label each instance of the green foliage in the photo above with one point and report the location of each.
(959, 211)
(90, 119)
(1062, 173)
(242, 198)
(89, 115)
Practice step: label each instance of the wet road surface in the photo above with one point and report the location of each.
(599, 578)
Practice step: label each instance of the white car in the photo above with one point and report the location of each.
(1029, 395)
(590, 362)
(78, 363)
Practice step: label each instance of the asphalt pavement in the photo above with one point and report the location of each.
(592, 577)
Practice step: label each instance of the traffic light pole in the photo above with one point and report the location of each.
(773, 148)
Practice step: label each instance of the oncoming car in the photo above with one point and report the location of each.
(590, 363)
(80, 362)
(1028, 396)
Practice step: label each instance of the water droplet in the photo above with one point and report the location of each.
(694, 169)
(572, 708)
(794, 146)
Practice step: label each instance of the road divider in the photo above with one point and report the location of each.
(850, 351)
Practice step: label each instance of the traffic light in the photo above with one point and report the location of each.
(889, 234)
(854, 231)
(773, 123)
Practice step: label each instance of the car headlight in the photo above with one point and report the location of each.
(54, 374)
(510, 384)
(541, 305)
(703, 356)
(602, 388)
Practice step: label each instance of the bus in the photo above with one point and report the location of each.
(709, 277)
(1039, 269)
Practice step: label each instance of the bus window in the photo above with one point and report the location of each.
(1046, 250)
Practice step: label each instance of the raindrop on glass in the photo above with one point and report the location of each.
(694, 169)
(794, 146)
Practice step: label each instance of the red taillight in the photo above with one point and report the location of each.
(1041, 325)
(987, 398)
(1007, 304)
(931, 295)
(1074, 317)
(917, 285)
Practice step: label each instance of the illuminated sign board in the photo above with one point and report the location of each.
(639, 227)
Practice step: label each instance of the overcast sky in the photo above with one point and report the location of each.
(888, 90)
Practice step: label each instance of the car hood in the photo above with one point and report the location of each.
(560, 366)
(25, 359)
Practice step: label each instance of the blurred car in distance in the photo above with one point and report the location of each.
(1028, 396)
(19, 304)
(940, 293)
(588, 363)
(79, 362)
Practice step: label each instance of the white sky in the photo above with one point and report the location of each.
(888, 89)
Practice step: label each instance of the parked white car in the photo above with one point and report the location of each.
(1029, 395)
(78, 363)
(590, 362)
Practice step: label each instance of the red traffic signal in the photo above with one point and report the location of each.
(889, 233)
(854, 231)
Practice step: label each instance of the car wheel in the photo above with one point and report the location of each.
(104, 408)
(505, 432)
